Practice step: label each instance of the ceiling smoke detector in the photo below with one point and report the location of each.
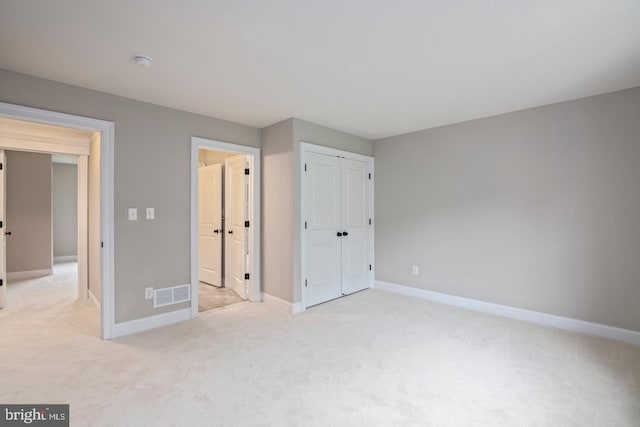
(143, 60)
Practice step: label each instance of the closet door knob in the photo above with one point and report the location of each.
(339, 234)
(216, 231)
(230, 231)
(344, 233)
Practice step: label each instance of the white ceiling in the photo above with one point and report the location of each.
(371, 68)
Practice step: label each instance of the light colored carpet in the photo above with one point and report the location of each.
(371, 359)
(210, 297)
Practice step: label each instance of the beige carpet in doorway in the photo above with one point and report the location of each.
(370, 359)
(210, 297)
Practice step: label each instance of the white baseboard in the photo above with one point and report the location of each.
(65, 258)
(256, 297)
(296, 308)
(93, 299)
(139, 325)
(282, 305)
(567, 323)
(21, 275)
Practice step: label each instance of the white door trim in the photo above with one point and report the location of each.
(107, 142)
(255, 295)
(83, 226)
(306, 147)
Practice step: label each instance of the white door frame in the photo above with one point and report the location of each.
(305, 148)
(255, 295)
(107, 140)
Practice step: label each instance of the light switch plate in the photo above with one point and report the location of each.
(414, 270)
(148, 293)
(151, 213)
(133, 214)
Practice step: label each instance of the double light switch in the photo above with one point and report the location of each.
(133, 214)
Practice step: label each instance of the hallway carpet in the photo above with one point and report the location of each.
(210, 297)
(370, 359)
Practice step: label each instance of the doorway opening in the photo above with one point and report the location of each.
(29, 133)
(49, 216)
(225, 219)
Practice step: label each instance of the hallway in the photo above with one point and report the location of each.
(41, 301)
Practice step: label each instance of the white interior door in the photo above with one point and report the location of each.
(356, 240)
(3, 237)
(236, 213)
(323, 223)
(210, 224)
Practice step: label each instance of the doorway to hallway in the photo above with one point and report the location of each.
(223, 208)
(49, 217)
(225, 221)
(95, 158)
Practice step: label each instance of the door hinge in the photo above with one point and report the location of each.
(1, 166)
(369, 221)
(1, 282)
(305, 283)
(305, 167)
(369, 267)
(305, 225)
(246, 171)
(102, 244)
(1, 224)
(246, 224)
(246, 276)
(369, 176)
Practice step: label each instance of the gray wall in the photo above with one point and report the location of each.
(277, 210)
(147, 253)
(538, 209)
(65, 210)
(28, 180)
(315, 134)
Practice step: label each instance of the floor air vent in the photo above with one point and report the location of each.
(172, 295)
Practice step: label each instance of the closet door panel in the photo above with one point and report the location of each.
(322, 252)
(355, 222)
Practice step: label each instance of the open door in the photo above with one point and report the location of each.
(3, 237)
(210, 224)
(236, 213)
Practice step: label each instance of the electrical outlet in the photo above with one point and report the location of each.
(151, 213)
(148, 293)
(133, 214)
(414, 270)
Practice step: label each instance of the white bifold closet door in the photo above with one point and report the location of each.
(338, 239)
(356, 239)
